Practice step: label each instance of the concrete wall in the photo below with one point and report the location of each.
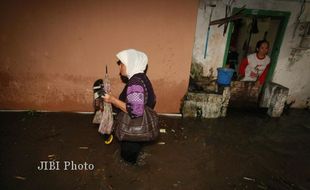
(51, 52)
(292, 69)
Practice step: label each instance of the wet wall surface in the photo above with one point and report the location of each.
(245, 150)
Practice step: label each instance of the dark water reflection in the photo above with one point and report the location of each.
(245, 150)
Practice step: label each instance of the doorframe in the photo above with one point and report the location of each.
(283, 15)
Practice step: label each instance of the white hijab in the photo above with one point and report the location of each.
(135, 61)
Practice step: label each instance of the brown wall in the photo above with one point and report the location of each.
(51, 52)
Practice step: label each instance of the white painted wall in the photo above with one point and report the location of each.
(293, 74)
(216, 44)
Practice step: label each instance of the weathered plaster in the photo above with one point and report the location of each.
(216, 42)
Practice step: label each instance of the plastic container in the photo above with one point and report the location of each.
(224, 76)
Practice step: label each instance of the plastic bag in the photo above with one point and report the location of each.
(106, 122)
(98, 117)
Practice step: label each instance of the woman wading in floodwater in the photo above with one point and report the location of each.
(132, 64)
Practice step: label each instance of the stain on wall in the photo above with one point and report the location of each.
(51, 52)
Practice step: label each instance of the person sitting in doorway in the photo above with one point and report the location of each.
(255, 66)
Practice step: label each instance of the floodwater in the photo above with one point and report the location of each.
(245, 150)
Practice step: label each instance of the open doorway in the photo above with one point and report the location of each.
(245, 32)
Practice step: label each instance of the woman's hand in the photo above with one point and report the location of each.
(108, 98)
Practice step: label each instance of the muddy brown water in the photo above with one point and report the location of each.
(245, 150)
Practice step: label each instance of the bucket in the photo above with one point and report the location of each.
(224, 76)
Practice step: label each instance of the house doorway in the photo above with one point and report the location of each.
(244, 33)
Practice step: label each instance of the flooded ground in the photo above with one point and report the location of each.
(245, 150)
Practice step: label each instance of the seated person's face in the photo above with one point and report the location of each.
(263, 49)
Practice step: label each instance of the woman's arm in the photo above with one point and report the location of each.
(243, 65)
(262, 77)
(135, 99)
(134, 104)
(115, 101)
